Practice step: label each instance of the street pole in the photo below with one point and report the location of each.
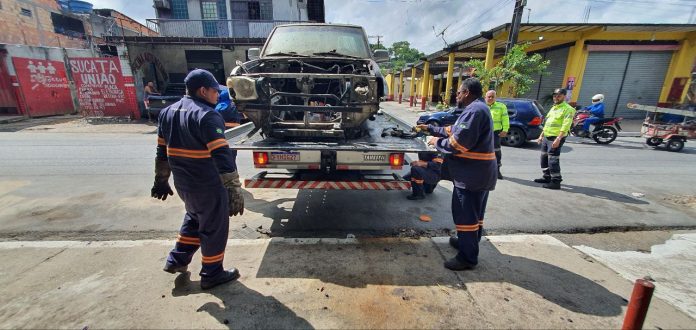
(516, 21)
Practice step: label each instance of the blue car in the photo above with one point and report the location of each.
(526, 117)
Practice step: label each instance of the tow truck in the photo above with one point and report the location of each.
(312, 95)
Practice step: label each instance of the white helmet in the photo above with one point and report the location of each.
(598, 98)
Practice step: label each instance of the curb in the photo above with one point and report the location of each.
(12, 120)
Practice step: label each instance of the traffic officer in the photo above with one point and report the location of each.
(471, 165)
(556, 127)
(501, 124)
(425, 174)
(192, 146)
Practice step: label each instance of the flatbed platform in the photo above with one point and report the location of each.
(239, 138)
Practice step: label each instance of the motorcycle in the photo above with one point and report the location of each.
(604, 132)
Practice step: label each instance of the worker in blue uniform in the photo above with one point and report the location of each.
(227, 109)
(472, 166)
(192, 147)
(597, 113)
(425, 174)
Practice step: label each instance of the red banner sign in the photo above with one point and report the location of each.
(44, 85)
(100, 86)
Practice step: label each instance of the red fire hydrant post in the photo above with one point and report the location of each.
(638, 305)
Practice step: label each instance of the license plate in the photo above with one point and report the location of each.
(285, 156)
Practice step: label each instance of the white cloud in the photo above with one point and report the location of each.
(138, 10)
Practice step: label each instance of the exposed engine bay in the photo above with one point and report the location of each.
(301, 97)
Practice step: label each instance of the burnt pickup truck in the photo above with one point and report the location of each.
(312, 93)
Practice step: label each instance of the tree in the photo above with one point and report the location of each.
(401, 53)
(515, 70)
(374, 47)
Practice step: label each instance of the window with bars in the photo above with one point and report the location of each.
(209, 10)
(179, 9)
(252, 10)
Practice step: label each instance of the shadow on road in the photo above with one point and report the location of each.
(419, 263)
(336, 213)
(242, 308)
(590, 192)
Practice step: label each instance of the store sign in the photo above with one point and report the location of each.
(100, 86)
(44, 85)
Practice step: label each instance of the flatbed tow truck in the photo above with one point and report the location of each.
(367, 163)
(312, 95)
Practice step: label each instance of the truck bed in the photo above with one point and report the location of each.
(239, 139)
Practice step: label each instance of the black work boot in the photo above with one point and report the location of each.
(224, 277)
(454, 242)
(417, 193)
(173, 269)
(500, 175)
(456, 264)
(555, 185)
(543, 180)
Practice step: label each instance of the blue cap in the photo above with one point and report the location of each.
(200, 78)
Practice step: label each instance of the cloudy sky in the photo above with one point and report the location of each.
(417, 21)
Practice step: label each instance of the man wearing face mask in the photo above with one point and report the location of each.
(192, 146)
(472, 166)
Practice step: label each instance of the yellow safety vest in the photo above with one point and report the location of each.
(501, 120)
(559, 119)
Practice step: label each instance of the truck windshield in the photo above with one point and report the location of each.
(313, 39)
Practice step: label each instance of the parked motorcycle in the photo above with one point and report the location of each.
(604, 132)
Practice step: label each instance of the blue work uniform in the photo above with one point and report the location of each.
(597, 112)
(191, 137)
(425, 179)
(472, 166)
(227, 109)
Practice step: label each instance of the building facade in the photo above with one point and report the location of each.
(231, 18)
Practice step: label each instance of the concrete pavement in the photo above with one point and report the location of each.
(521, 282)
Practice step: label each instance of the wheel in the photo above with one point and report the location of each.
(653, 141)
(675, 145)
(434, 123)
(515, 137)
(605, 135)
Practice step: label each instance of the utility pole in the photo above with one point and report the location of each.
(516, 21)
(378, 38)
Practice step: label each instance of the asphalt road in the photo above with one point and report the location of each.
(96, 186)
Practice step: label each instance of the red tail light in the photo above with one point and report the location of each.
(260, 159)
(536, 121)
(396, 160)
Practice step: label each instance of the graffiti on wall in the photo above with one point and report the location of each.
(44, 85)
(100, 86)
(148, 57)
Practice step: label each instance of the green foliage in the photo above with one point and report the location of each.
(515, 70)
(401, 53)
(374, 47)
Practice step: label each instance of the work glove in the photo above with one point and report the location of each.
(161, 188)
(235, 199)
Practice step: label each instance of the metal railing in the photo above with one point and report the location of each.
(221, 28)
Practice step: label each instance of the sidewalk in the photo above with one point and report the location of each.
(522, 282)
(630, 127)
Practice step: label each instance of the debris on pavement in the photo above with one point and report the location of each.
(425, 218)
(638, 195)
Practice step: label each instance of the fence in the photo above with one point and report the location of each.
(233, 28)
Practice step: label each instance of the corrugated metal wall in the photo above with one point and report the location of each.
(545, 84)
(624, 77)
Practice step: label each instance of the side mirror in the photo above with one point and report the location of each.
(381, 55)
(254, 53)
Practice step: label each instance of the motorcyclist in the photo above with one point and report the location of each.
(596, 111)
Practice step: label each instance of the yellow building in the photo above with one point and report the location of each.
(641, 63)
